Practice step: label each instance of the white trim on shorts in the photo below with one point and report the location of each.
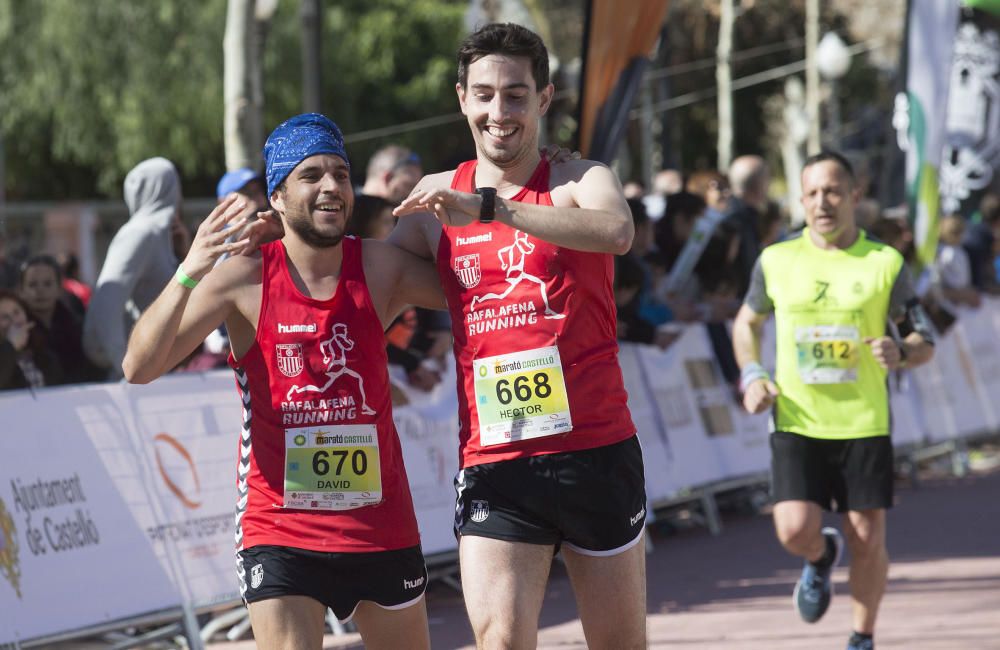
(409, 603)
(614, 551)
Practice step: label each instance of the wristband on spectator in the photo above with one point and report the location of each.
(751, 373)
(184, 278)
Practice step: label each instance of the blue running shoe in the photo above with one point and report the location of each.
(814, 590)
(858, 643)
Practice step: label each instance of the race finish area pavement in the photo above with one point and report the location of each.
(733, 591)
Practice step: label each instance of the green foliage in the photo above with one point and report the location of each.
(89, 89)
(92, 88)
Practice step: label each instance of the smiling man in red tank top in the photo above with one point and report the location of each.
(324, 517)
(548, 452)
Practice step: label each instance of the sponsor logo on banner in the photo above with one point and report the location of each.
(10, 563)
(191, 498)
(290, 359)
(467, 270)
(480, 511)
(256, 575)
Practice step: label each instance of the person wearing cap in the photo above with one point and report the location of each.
(324, 517)
(247, 183)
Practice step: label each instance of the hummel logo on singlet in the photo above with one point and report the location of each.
(478, 239)
(413, 584)
(294, 329)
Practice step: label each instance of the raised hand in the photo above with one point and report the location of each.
(209, 243)
(451, 208)
(18, 334)
(556, 154)
(265, 228)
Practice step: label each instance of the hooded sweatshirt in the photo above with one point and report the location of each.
(139, 263)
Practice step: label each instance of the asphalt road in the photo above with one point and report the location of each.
(733, 591)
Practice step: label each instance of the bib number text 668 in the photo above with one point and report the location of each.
(524, 388)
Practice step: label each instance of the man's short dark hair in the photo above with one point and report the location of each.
(508, 39)
(831, 156)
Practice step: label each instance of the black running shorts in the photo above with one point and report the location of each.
(839, 475)
(391, 579)
(593, 501)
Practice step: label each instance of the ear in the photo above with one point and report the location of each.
(460, 89)
(545, 99)
(278, 201)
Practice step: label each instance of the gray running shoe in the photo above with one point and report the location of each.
(814, 590)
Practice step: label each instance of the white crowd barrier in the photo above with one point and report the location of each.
(118, 500)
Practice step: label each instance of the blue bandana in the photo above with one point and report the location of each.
(296, 139)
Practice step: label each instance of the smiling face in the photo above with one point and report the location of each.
(829, 198)
(503, 106)
(316, 200)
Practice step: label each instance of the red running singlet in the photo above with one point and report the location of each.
(320, 464)
(535, 338)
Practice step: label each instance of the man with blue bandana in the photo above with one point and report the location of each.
(324, 514)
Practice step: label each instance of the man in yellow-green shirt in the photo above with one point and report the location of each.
(846, 314)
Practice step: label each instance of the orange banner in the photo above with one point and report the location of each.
(616, 36)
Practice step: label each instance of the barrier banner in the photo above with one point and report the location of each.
(71, 556)
(181, 438)
(428, 434)
(948, 397)
(977, 332)
(654, 435)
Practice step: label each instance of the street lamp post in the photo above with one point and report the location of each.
(833, 60)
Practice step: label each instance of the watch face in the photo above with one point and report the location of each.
(488, 205)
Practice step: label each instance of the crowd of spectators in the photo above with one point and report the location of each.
(697, 237)
(54, 329)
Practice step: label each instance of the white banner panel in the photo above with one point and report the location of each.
(180, 436)
(951, 407)
(71, 556)
(657, 456)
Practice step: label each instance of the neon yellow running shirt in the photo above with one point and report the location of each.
(826, 303)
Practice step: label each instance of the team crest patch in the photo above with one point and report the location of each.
(290, 359)
(480, 511)
(467, 270)
(256, 575)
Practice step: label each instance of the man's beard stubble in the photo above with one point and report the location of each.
(303, 227)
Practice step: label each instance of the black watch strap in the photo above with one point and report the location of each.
(487, 210)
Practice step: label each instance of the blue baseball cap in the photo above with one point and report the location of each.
(235, 181)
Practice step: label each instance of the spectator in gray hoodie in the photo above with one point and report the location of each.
(139, 263)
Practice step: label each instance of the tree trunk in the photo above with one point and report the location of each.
(241, 87)
(724, 81)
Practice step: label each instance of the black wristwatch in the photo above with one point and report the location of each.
(487, 209)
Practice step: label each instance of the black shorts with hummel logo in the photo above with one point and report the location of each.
(390, 579)
(593, 501)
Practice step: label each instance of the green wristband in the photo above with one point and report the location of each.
(184, 278)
